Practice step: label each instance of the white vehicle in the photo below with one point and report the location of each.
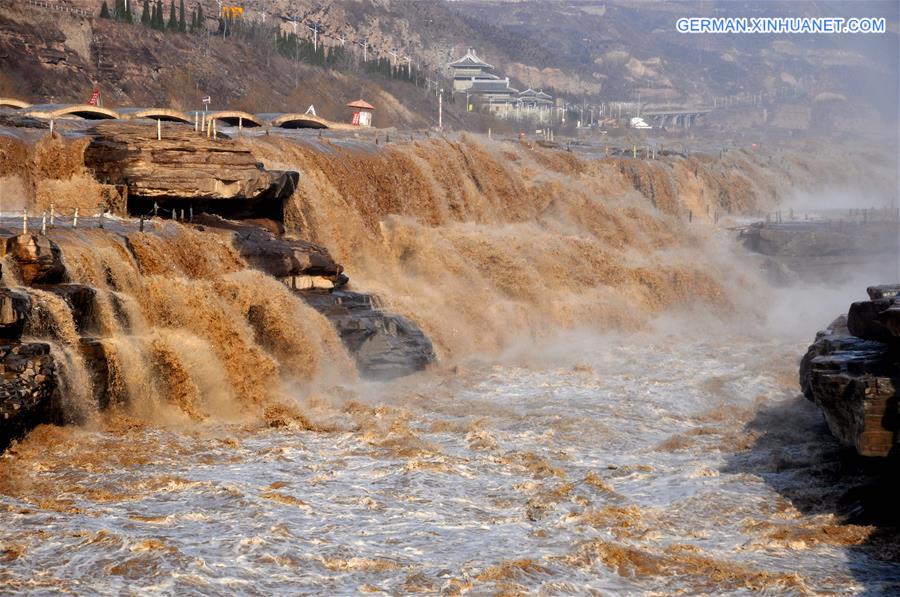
(638, 123)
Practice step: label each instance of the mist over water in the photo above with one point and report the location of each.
(616, 407)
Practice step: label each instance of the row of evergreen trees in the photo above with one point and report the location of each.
(400, 70)
(289, 45)
(152, 16)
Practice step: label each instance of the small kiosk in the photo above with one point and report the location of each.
(362, 115)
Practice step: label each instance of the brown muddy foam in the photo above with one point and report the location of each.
(489, 244)
(188, 331)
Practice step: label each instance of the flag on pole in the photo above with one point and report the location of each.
(95, 97)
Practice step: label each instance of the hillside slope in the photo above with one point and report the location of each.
(588, 52)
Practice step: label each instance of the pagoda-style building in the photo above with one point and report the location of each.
(535, 100)
(469, 70)
(472, 76)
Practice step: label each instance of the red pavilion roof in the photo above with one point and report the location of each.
(363, 105)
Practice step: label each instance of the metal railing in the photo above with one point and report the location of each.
(76, 217)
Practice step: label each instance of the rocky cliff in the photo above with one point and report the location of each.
(27, 372)
(185, 169)
(852, 372)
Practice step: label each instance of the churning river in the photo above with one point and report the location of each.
(629, 464)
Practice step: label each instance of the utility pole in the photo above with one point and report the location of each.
(296, 49)
(224, 20)
(315, 30)
(393, 53)
(441, 110)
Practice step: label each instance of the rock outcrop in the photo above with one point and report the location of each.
(218, 174)
(27, 370)
(277, 256)
(27, 389)
(384, 345)
(14, 309)
(38, 258)
(852, 372)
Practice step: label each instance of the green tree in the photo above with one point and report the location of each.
(173, 21)
(129, 16)
(201, 20)
(158, 22)
(182, 24)
(145, 14)
(119, 11)
(104, 11)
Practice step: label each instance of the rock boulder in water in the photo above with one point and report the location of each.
(384, 345)
(852, 372)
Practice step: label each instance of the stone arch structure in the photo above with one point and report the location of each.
(236, 117)
(11, 102)
(164, 114)
(86, 111)
(300, 121)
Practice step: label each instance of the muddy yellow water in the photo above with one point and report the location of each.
(659, 463)
(594, 447)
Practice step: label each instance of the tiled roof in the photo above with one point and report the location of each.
(470, 60)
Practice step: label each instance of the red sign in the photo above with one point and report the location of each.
(95, 97)
(362, 118)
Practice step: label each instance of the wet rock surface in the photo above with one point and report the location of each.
(80, 299)
(384, 345)
(184, 165)
(96, 360)
(39, 259)
(273, 254)
(14, 309)
(852, 372)
(27, 389)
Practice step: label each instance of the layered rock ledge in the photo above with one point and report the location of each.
(852, 373)
(274, 254)
(185, 169)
